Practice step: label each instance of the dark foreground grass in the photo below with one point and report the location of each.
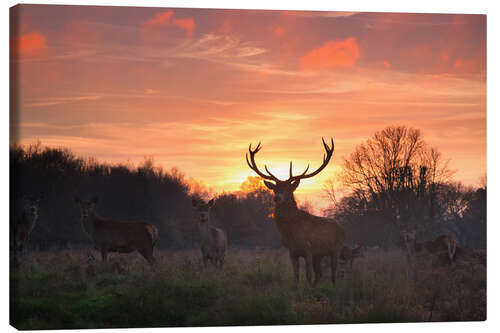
(61, 290)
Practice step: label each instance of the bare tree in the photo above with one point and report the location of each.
(397, 173)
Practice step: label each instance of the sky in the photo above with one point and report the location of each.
(194, 87)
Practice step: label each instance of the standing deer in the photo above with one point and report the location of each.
(117, 236)
(213, 241)
(305, 235)
(22, 225)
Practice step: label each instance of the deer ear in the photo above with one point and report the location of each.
(211, 203)
(269, 185)
(295, 184)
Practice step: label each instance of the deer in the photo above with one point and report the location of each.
(116, 236)
(467, 255)
(348, 254)
(443, 248)
(303, 234)
(22, 225)
(213, 241)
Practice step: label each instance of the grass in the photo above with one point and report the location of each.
(52, 290)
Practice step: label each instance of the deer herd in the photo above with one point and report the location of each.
(304, 235)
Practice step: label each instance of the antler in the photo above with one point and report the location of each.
(254, 167)
(326, 159)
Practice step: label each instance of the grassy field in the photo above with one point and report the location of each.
(51, 290)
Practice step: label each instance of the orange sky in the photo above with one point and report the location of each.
(193, 87)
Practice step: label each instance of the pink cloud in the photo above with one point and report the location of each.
(278, 31)
(465, 66)
(341, 53)
(30, 45)
(159, 20)
(186, 24)
(387, 64)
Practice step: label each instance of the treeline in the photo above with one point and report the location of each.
(125, 192)
(394, 182)
(397, 182)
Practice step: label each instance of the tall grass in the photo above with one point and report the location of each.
(51, 290)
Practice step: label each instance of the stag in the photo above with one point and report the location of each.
(304, 235)
(117, 236)
(213, 241)
(22, 224)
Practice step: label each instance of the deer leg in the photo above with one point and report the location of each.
(221, 260)
(104, 254)
(317, 269)
(205, 261)
(341, 269)
(452, 248)
(147, 253)
(309, 264)
(295, 265)
(333, 263)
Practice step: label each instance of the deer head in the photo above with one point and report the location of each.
(283, 189)
(27, 221)
(31, 207)
(87, 207)
(202, 209)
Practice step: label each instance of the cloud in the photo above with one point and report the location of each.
(216, 47)
(465, 66)
(30, 45)
(83, 34)
(318, 13)
(159, 20)
(186, 24)
(331, 54)
(60, 100)
(278, 31)
(164, 19)
(387, 64)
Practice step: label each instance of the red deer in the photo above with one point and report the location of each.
(213, 241)
(305, 235)
(467, 255)
(348, 254)
(117, 236)
(22, 224)
(443, 248)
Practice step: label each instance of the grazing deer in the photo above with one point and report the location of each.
(305, 235)
(348, 254)
(22, 225)
(213, 241)
(467, 255)
(443, 247)
(117, 236)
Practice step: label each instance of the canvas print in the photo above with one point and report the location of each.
(214, 167)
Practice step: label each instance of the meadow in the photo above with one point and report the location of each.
(52, 290)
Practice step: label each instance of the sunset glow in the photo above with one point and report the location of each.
(195, 87)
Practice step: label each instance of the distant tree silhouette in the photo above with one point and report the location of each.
(394, 178)
(146, 192)
(397, 173)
